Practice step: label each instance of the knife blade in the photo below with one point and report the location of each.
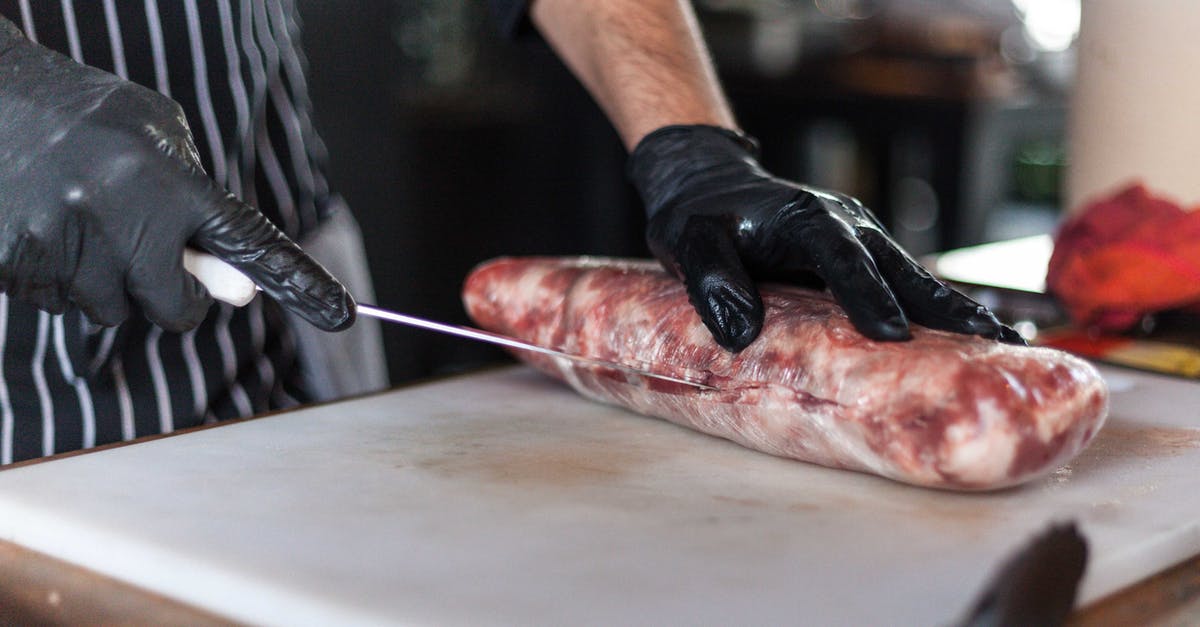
(225, 283)
(512, 342)
(1037, 585)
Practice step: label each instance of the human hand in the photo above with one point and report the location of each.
(718, 221)
(101, 190)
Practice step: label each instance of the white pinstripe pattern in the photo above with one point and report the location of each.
(27, 21)
(212, 132)
(241, 103)
(297, 77)
(39, 381)
(267, 36)
(217, 154)
(68, 10)
(291, 121)
(258, 341)
(277, 181)
(114, 39)
(195, 374)
(107, 338)
(296, 66)
(229, 361)
(261, 71)
(162, 394)
(279, 393)
(6, 409)
(86, 409)
(124, 400)
(270, 51)
(161, 81)
(281, 398)
(275, 42)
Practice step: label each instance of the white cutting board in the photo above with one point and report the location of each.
(503, 498)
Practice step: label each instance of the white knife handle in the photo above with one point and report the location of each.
(225, 283)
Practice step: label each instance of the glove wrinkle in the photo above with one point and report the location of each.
(74, 235)
(276, 264)
(719, 288)
(1008, 335)
(731, 315)
(181, 148)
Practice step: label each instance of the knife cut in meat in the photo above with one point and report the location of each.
(941, 410)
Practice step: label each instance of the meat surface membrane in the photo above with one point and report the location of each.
(942, 410)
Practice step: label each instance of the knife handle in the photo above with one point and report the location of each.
(225, 283)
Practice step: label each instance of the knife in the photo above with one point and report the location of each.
(225, 283)
(1037, 585)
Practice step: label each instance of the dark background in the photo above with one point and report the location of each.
(453, 144)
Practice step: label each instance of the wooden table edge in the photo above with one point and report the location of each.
(37, 589)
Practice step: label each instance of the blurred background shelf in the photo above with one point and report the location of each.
(453, 145)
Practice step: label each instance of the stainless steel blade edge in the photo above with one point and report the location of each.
(511, 342)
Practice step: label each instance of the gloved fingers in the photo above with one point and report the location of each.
(172, 137)
(98, 290)
(103, 306)
(169, 295)
(92, 277)
(241, 236)
(851, 274)
(718, 285)
(1009, 335)
(871, 219)
(30, 274)
(180, 147)
(930, 302)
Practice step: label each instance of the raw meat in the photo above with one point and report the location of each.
(943, 410)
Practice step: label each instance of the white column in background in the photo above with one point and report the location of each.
(1136, 108)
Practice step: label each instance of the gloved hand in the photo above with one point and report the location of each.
(101, 188)
(718, 221)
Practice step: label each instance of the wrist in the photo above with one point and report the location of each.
(737, 136)
(668, 160)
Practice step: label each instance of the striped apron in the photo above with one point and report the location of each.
(236, 68)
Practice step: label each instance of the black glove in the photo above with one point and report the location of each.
(718, 221)
(101, 189)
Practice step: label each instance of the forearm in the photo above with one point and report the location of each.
(643, 61)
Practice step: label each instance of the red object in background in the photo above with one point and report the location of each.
(1125, 256)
